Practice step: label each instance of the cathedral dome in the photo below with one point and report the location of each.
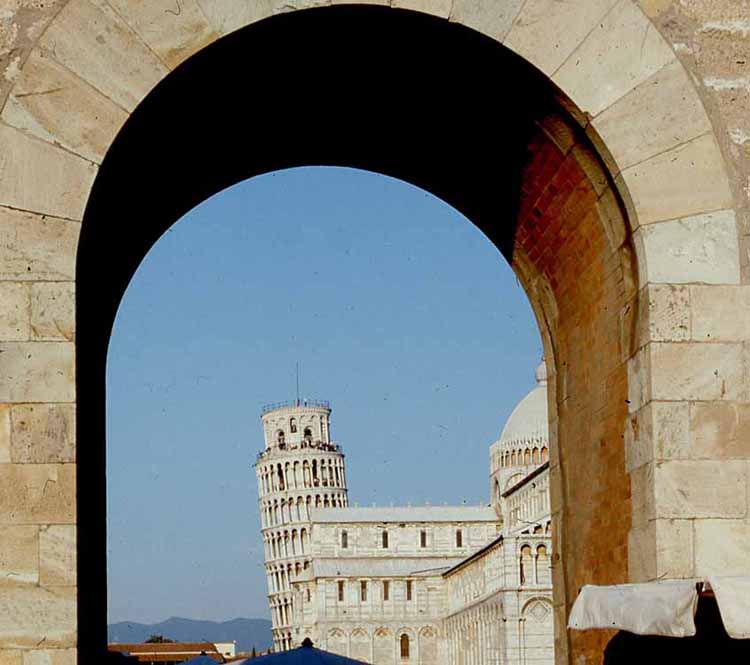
(528, 422)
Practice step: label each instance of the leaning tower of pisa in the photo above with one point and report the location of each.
(300, 467)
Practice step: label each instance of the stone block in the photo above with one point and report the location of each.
(674, 548)
(722, 547)
(658, 431)
(697, 371)
(53, 311)
(37, 247)
(642, 498)
(50, 657)
(173, 33)
(559, 130)
(489, 17)
(688, 180)
(15, 312)
(642, 553)
(37, 494)
(56, 105)
(720, 313)
(720, 430)
(9, 657)
(659, 114)
(703, 488)
(57, 555)
(284, 6)
(40, 177)
(440, 8)
(670, 429)
(639, 380)
(226, 16)
(37, 372)
(31, 614)
(4, 433)
(43, 433)
(546, 32)
(621, 52)
(637, 439)
(668, 313)
(611, 218)
(700, 249)
(92, 41)
(19, 555)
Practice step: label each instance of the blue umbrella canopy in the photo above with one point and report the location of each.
(307, 654)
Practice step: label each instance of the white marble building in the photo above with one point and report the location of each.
(464, 585)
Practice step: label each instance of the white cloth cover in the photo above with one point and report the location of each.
(652, 608)
(733, 597)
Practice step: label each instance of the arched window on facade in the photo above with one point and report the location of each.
(542, 570)
(280, 437)
(404, 644)
(525, 565)
(459, 538)
(535, 456)
(306, 478)
(423, 538)
(545, 454)
(307, 434)
(344, 540)
(385, 540)
(341, 591)
(293, 425)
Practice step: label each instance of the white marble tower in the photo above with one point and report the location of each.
(299, 468)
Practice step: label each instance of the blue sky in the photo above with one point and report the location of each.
(400, 312)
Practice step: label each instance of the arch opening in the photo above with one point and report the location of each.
(520, 169)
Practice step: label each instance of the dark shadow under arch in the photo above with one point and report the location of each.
(395, 92)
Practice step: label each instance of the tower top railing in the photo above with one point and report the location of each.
(319, 446)
(267, 408)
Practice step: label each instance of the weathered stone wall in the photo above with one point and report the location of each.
(404, 539)
(666, 103)
(712, 41)
(496, 612)
(370, 629)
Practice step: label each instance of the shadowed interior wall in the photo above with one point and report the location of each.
(573, 254)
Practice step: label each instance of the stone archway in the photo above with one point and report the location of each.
(619, 222)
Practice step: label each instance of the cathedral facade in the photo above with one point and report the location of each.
(463, 585)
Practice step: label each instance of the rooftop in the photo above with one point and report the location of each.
(387, 567)
(294, 403)
(403, 514)
(529, 420)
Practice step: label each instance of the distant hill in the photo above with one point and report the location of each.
(248, 633)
